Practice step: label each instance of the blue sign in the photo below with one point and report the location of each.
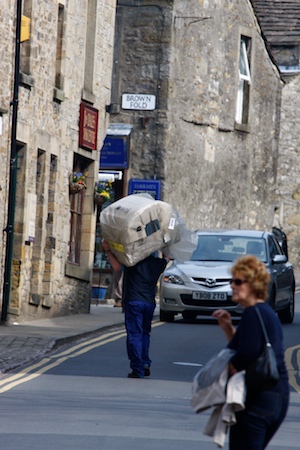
(152, 187)
(114, 153)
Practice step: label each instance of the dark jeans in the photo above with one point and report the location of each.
(258, 423)
(138, 319)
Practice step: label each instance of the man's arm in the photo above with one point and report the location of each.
(113, 261)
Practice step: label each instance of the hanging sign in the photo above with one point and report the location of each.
(88, 127)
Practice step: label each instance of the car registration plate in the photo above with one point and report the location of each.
(209, 295)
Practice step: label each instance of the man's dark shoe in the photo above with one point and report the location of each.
(147, 371)
(133, 375)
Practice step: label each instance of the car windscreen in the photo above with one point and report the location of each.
(228, 248)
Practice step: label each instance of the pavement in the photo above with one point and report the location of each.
(23, 343)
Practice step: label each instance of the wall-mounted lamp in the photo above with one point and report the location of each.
(113, 108)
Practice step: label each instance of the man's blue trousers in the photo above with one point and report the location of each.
(138, 318)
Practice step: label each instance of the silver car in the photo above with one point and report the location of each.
(201, 285)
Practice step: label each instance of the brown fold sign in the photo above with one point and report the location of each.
(88, 127)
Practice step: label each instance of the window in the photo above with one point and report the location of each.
(59, 47)
(91, 28)
(287, 57)
(26, 45)
(274, 248)
(76, 209)
(243, 96)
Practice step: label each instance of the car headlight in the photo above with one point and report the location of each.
(174, 279)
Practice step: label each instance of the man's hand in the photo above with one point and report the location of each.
(105, 245)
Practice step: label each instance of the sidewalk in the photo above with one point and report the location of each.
(22, 343)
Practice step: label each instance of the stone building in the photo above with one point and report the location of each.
(195, 82)
(288, 180)
(280, 23)
(64, 86)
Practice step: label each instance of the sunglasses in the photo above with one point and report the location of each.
(237, 281)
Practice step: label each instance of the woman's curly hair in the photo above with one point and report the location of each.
(255, 272)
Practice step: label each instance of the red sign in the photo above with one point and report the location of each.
(88, 127)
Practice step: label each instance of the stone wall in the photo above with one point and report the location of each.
(44, 284)
(288, 192)
(228, 176)
(187, 54)
(6, 95)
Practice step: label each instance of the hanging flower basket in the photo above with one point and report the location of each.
(99, 199)
(102, 192)
(77, 182)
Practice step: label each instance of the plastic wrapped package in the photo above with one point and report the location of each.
(184, 243)
(137, 226)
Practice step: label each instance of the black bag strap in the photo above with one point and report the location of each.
(262, 325)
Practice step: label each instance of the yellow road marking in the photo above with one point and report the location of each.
(35, 370)
(32, 375)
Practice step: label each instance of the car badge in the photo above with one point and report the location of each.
(210, 282)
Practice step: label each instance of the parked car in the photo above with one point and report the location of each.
(201, 285)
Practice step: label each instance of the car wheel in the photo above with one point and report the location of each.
(189, 316)
(166, 316)
(287, 314)
(272, 298)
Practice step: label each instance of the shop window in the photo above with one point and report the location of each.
(115, 181)
(244, 83)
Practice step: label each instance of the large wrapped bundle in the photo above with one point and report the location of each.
(136, 226)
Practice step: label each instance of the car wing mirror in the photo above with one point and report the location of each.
(279, 259)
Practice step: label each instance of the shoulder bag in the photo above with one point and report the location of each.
(263, 372)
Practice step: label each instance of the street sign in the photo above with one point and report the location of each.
(138, 101)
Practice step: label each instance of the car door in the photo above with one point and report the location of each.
(280, 271)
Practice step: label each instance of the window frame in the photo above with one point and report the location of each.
(76, 211)
(244, 83)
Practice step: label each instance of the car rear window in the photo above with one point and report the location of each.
(228, 248)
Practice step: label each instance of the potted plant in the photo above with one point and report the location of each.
(77, 181)
(102, 192)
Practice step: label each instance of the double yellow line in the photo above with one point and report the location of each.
(46, 364)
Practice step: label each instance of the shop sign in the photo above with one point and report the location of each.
(139, 186)
(142, 102)
(114, 153)
(88, 127)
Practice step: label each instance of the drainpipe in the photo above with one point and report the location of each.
(12, 173)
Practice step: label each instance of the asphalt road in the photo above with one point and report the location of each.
(79, 397)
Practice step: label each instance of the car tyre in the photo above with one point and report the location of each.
(287, 314)
(189, 316)
(166, 316)
(272, 298)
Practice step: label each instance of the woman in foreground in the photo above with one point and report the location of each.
(265, 409)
